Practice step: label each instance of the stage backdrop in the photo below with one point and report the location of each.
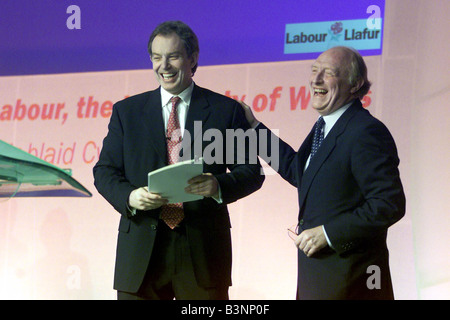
(58, 110)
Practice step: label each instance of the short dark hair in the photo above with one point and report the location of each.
(183, 31)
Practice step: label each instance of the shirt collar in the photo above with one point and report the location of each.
(185, 95)
(333, 117)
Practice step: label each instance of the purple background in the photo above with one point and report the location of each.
(34, 38)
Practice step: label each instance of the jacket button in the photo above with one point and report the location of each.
(153, 227)
(301, 222)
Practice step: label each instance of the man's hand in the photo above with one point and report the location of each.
(252, 121)
(204, 185)
(311, 241)
(142, 199)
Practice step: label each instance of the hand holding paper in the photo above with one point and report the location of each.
(170, 181)
(204, 185)
(141, 199)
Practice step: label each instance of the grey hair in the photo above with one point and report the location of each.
(358, 71)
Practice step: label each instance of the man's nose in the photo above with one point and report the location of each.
(165, 63)
(317, 77)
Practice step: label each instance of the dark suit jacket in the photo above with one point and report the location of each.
(352, 187)
(135, 145)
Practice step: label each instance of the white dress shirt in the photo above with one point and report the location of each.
(183, 106)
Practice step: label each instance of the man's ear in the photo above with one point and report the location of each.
(359, 83)
(194, 59)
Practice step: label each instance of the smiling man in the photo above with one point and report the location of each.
(173, 65)
(331, 84)
(349, 188)
(182, 250)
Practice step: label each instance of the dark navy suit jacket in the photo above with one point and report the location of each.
(135, 145)
(352, 186)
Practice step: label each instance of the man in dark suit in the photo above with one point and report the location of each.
(190, 259)
(349, 188)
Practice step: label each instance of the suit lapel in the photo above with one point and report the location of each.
(328, 144)
(153, 124)
(198, 113)
(303, 153)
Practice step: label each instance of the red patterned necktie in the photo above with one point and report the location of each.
(172, 214)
